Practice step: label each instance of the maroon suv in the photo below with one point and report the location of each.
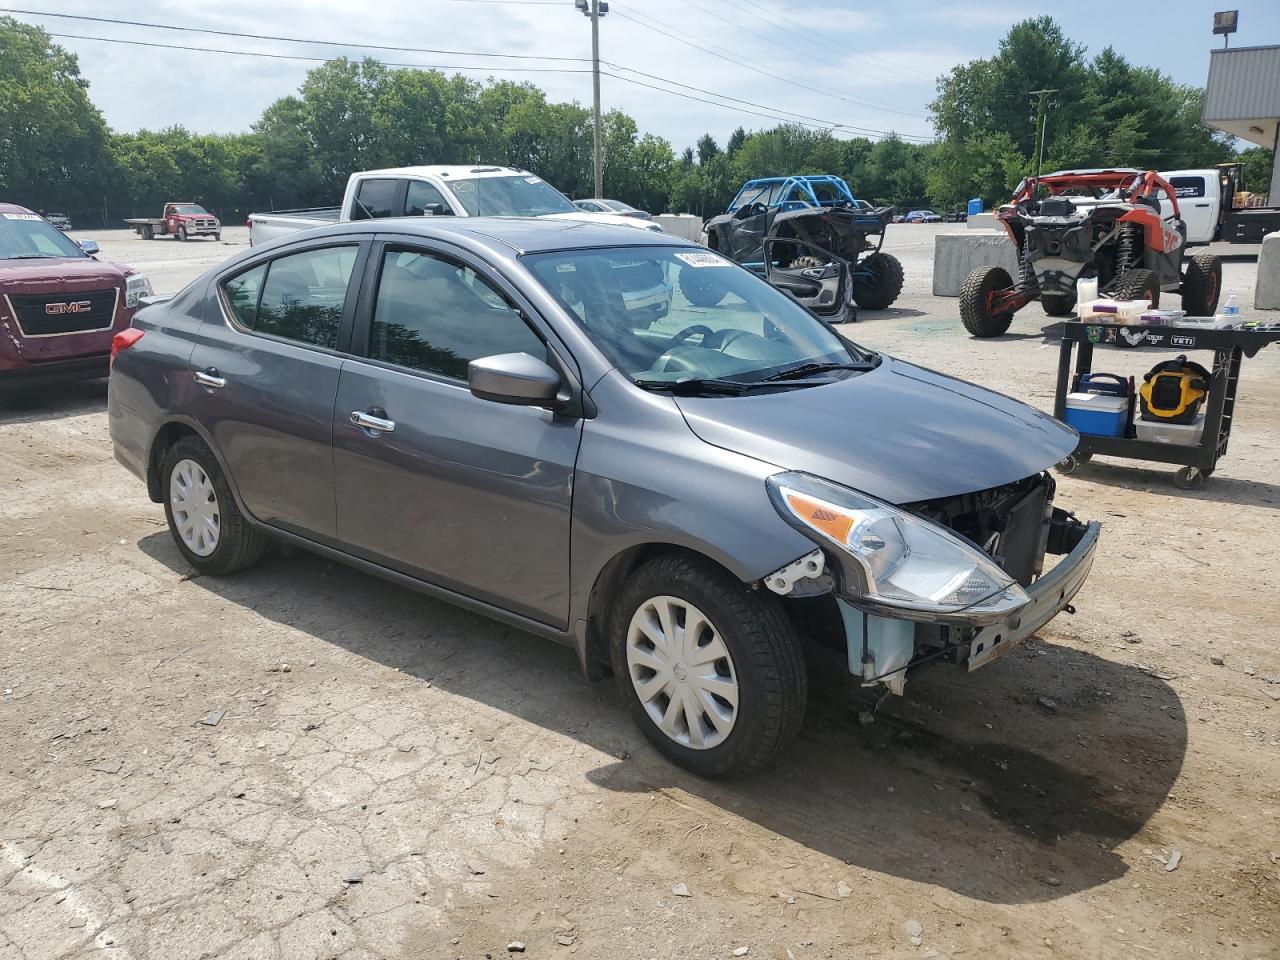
(59, 307)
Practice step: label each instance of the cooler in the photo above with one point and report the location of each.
(1098, 414)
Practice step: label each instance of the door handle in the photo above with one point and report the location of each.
(1201, 204)
(210, 378)
(369, 421)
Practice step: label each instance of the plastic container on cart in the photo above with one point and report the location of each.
(1098, 414)
(1113, 311)
(1160, 318)
(1177, 434)
(1086, 289)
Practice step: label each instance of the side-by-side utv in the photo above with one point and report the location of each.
(803, 233)
(1122, 227)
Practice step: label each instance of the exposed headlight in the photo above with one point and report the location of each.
(655, 226)
(902, 562)
(135, 286)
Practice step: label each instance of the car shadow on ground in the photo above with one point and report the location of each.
(1011, 785)
(37, 402)
(1142, 476)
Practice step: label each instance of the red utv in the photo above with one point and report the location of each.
(1122, 227)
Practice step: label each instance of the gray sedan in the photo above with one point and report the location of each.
(529, 419)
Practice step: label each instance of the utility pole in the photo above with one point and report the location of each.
(595, 9)
(1042, 121)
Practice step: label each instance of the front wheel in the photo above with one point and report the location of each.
(206, 523)
(1201, 285)
(976, 311)
(1058, 304)
(712, 672)
(879, 281)
(182, 234)
(1141, 284)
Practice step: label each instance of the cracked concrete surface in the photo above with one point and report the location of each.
(391, 777)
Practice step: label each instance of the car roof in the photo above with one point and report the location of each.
(13, 208)
(1090, 170)
(505, 235)
(444, 171)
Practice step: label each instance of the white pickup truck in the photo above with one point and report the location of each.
(443, 190)
(1207, 201)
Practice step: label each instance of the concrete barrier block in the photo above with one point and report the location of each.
(1266, 287)
(681, 225)
(956, 255)
(982, 221)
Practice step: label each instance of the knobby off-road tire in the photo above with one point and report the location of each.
(805, 263)
(1202, 285)
(763, 658)
(879, 293)
(1139, 284)
(239, 544)
(1058, 304)
(700, 290)
(974, 311)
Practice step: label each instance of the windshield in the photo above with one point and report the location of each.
(617, 205)
(663, 315)
(189, 208)
(524, 196)
(24, 236)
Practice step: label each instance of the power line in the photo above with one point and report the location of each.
(294, 56)
(822, 39)
(426, 66)
(773, 113)
(776, 42)
(775, 76)
(322, 43)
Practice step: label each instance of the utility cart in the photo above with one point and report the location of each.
(1198, 460)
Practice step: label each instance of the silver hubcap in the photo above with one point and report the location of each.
(195, 507)
(682, 672)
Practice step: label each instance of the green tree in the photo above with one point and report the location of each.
(53, 141)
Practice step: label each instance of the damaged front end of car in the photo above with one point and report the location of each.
(960, 579)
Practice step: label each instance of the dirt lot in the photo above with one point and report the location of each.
(304, 762)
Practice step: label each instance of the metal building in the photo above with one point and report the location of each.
(1242, 97)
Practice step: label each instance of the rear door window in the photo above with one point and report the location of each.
(301, 297)
(1185, 188)
(375, 199)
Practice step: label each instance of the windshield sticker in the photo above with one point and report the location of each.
(19, 216)
(566, 268)
(532, 180)
(703, 259)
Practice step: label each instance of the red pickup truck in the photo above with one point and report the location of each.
(59, 306)
(182, 219)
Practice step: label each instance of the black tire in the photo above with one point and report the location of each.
(880, 292)
(773, 684)
(1202, 285)
(182, 234)
(1058, 304)
(699, 289)
(239, 543)
(1138, 284)
(975, 313)
(148, 233)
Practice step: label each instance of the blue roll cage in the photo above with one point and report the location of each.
(792, 193)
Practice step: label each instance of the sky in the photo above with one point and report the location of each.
(854, 67)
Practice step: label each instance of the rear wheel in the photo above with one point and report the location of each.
(1058, 304)
(699, 289)
(881, 288)
(206, 523)
(1201, 285)
(148, 233)
(711, 671)
(1138, 285)
(975, 302)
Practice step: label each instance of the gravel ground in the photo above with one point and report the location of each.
(302, 761)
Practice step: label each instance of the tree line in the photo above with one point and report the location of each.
(57, 152)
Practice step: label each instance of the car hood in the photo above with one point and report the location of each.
(899, 433)
(70, 272)
(613, 218)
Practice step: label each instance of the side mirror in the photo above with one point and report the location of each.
(515, 378)
(436, 210)
(90, 247)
